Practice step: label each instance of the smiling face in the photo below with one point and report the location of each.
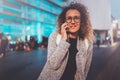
(73, 20)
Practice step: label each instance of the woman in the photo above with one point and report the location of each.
(70, 47)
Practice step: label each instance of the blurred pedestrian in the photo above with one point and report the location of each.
(1, 54)
(98, 39)
(27, 47)
(3, 45)
(8, 37)
(70, 47)
(1, 35)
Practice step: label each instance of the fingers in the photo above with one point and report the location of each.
(63, 31)
(63, 27)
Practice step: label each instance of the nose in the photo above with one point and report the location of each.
(73, 21)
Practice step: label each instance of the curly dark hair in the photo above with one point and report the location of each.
(85, 30)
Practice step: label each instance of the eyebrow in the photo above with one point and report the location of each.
(72, 17)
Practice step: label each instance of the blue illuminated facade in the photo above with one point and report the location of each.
(20, 18)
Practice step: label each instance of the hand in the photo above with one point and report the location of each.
(63, 31)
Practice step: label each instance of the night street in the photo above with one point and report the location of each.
(28, 65)
(27, 27)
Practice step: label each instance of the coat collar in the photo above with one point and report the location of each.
(80, 43)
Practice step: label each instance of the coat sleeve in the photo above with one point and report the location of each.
(56, 53)
(88, 58)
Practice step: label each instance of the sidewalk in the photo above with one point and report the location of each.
(100, 58)
(111, 70)
(107, 45)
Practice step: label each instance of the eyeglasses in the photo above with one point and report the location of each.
(75, 18)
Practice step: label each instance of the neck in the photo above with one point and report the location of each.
(73, 35)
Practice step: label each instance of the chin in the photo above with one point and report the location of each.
(72, 32)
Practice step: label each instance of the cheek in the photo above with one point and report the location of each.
(78, 26)
(68, 24)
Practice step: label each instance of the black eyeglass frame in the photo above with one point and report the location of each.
(75, 18)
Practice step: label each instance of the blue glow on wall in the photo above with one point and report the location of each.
(37, 19)
(47, 29)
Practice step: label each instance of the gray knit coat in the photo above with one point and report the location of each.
(58, 56)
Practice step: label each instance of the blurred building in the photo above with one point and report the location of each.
(101, 19)
(116, 29)
(25, 18)
(118, 35)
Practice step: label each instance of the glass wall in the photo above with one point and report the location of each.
(21, 18)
